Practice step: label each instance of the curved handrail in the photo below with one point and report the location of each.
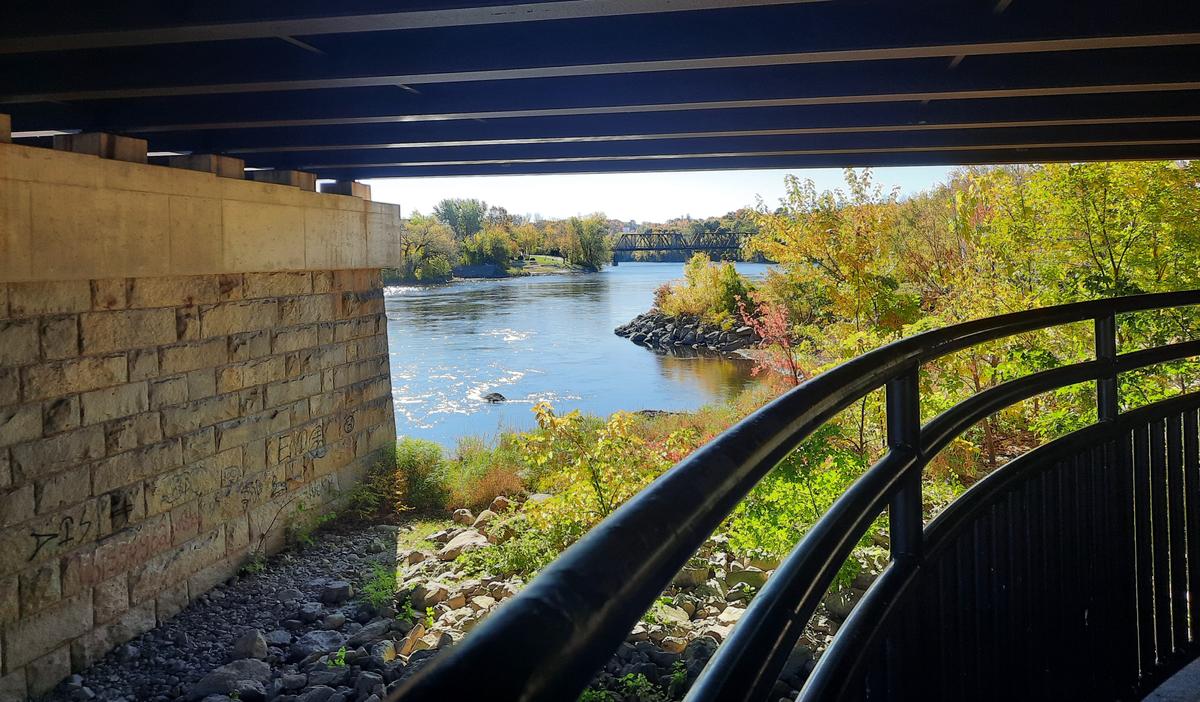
(865, 621)
(547, 642)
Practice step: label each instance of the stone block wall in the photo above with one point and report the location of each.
(152, 429)
(187, 364)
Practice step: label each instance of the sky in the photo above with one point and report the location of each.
(645, 197)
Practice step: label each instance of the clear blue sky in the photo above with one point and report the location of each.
(645, 197)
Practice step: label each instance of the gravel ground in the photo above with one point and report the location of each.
(165, 663)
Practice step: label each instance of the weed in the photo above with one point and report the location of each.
(593, 695)
(429, 617)
(638, 687)
(255, 564)
(407, 612)
(380, 588)
(339, 659)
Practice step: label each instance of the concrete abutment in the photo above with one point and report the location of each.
(186, 358)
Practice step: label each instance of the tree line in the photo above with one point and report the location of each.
(464, 233)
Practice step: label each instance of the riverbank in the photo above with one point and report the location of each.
(663, 332)
(529, 266)
(360, 608)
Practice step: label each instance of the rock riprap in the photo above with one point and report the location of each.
(297, 633)
(665, 333)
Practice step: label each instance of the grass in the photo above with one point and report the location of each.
(419, 529)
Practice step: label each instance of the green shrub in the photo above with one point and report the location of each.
(380, 588)
(420, 469)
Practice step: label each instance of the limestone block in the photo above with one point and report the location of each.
(13, 685)
(238, 316)
(104, 145)
(110, 294)
(20, 423)
(295, 311)
(169, 391)
(143, 364)
(71, 376)
(263, 371)
(133, 466)
(229, 286)
(277, 284)
(176, 564)
(87, 649)
(292, 390)
(223, 166)
(48, 537)
(120, 509)
(133, 432)
(173, 291)
(181, 358)
(117, 553)
(62, 489)
(196, 415)
(185, 523)
(114, 403)
(59, 337)
(104, 332)
(40, 587)
(171, 601)
(32, 637)
(165, 492)
(201, 383)
(9, 601)
(46, 672)
(62, 297)
(16, 505)
(110, 598)
(66, 450)
(61, 415)
(243, 347)
(199, 445)
(18, 342)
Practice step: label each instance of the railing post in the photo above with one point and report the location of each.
(904, 434)
(1106, 384)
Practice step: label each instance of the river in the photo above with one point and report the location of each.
(538, 338)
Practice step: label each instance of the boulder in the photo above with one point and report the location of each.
(251, 644)
(428, 594)
(468, 540)
(336, 592)
(370, 633)
(691, 576)
(408, 645)
(485, 517)
(753, 577)
(501, 504)
(463, 516)
(316, 642)
(232, 677)
(730, 615)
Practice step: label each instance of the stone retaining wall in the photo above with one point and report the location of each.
(156, 428)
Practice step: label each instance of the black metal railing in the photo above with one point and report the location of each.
(1069, 569)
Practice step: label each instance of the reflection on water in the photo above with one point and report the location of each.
(539, 338)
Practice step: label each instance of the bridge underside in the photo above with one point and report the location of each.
(360, 89)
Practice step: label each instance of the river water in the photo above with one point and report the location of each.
(538, 338)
